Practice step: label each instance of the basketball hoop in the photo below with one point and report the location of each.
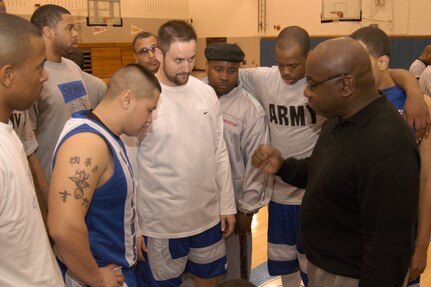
(337, 15)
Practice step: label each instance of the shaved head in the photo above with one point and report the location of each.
(293, 36)
(340, 81)
(135, 78)
(341, 56)
(375, 40)
(15, 37)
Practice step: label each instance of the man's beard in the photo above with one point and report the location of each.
(175, 78)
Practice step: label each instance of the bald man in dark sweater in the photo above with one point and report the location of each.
(359, 210)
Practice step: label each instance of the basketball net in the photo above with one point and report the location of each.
(337, 15)
(108, 21)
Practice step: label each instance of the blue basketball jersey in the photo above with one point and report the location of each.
(111, 216)
(397, 96)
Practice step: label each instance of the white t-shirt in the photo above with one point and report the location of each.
(425, 81)
(245, 129)
(26, 258)
(417, 67)
(294, 126)
(183, 167)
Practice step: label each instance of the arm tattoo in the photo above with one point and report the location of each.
(74, 160)
(64, 195)
(87, 163)
(80, 180)
(85, 202)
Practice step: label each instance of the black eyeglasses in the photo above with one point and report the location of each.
(312, 85)
(145, 51)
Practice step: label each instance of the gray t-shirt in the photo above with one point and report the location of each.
(96, 88)
(22, 125)
(294, 126)
(63, 93)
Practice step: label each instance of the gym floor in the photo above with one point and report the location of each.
(259, 274)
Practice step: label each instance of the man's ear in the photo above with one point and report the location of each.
(135, 55)
(47, 32)
(159, 55)
(383, 62)
(7, 75)
(207, 67)
(349, 83)
(126, 99)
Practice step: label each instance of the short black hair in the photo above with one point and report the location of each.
(172, 31)
(147, 74)
(133, 77)
(375, 40)
(15, 35)
(293, 35)
(142, 35)
(48, 15)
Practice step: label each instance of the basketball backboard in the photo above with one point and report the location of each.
(341, 10)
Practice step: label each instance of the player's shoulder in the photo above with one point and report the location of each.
(202, 88)
(258, 71)
(251, 101)
(86, 144)
(69, 64)
(200, 83)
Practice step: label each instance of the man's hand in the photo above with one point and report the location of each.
(141, 247)
(267, 158)
(417, 116)
(418, 262)
(111, 278)
(415, 109)
(227, 224)
(243, 223)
